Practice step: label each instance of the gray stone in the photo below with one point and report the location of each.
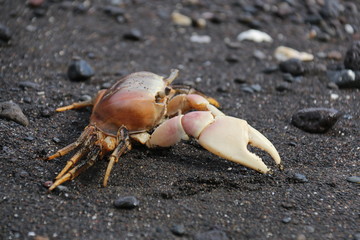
(12, 111)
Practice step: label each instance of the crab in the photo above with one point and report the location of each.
(146, 108)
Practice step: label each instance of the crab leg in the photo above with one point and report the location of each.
(87, 132)
(74, 172)
(122, 147)
(224, 136)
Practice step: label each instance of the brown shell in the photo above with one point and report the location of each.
(129, 102)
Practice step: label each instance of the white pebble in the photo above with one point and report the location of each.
(349, 29)
(254, 35)
(285, 53)
(334, 96)
(200, 38)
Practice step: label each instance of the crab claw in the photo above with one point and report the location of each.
(222, 135)
(228, 137)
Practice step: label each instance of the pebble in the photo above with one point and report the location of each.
(270, 69)
(28, 84)
(300, 178)
(249, 21)
(211, 235)
(178, 230)
(293, 66)
(181, 19)
(79, 70)
(344, 78)
(349, 29)
(315, 120)
(259, 55)
(352, 57)
(330, 9)
(255, 36)
(5, 33)
(354, 179)
(283, 87)
(133, 35)
(56, 139)
(286, 219)
(113, 11)
(12, 111)
(200, 38)
(48, 184)
(335, 55)
(251, 88)
(232, 58)
(290, 78)
(283, 53)
(35, 3)
(128, 202)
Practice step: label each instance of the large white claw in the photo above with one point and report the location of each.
(228, 137)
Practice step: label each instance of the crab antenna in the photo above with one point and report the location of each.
(173, 74)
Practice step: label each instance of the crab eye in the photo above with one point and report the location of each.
(167, 91)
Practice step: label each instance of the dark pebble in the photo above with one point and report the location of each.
(299, 178)
(211, 235)
(12, 111)
(315, 120)
(113, 11)
(270, 69)
(27, 100)
(133, 35)
(293, 66)
(248, 20)
(28, 84)
(128, 202)
(39, 12)
(354, 179)
(79, 70)
(56, 140)
(290, 78)
(178, 229)
(47, 184)
(289, 205)
(251, 88)
(344, 78)
(352, 57)
(232, 59)
(330, 9)
(29, 138)
(5, 34)
(47, 112)
(23, 174)
(286, 219)
(283, 87)
(240, 80)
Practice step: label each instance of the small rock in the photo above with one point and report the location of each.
(232, 58)
(35, 3)
(128, 202)
(56, 139)
(352, 57)
(286, 219)
(249, 21)
(330, 9)
(345, 78)
(12, 111)
(133, 35)
(79, 70)
(29, 138)
(240, 80)
(23, 174)
(349, 29)
(354, 179)
(232, 44)
(200, 38)
(113, 11)
(290, 78)
(28, 84)
(254, 35)
(299, 178)
(270, 69)
(48, 184)
(335, 55)
(5, 34)
(180, 19)
(283, 87)
(178, 230)
(293, 66)
(31, 28)
(315, 120)
(211, 235)
(259, 55)
(285, 53)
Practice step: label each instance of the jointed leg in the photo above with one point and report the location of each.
(73, 173)
(75, 105)
(87, 132)
(122, 147)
